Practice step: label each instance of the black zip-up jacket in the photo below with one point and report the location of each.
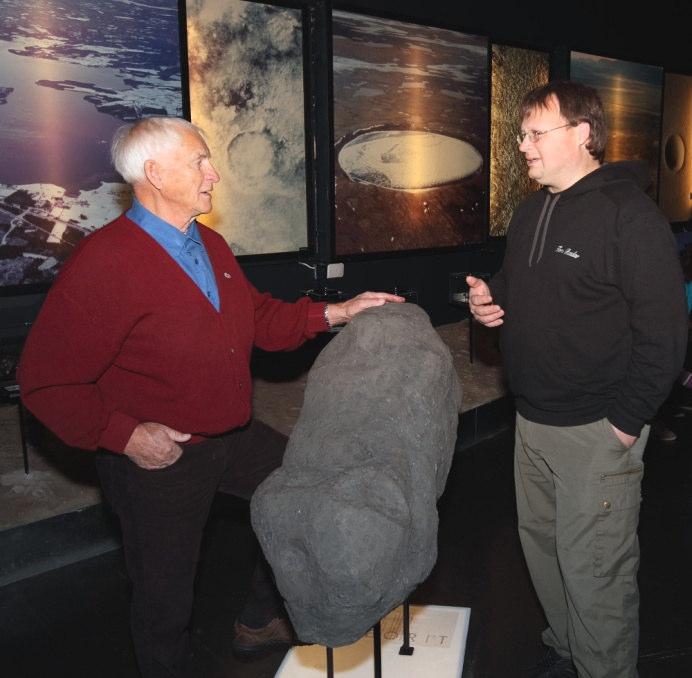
(595, 320)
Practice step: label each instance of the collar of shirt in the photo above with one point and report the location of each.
(186, 249)
(168, 236)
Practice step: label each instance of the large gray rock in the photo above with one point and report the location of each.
(349, 521)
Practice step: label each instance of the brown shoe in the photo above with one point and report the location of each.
(661, 432)
(253, 643)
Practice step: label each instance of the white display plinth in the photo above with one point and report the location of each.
(437, 633)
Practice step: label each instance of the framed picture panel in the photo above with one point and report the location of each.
(675, 178)
(514, 71)
(246, 85)
(631, 95)
(71, 73)
(410, 135)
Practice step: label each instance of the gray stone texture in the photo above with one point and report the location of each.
(349, 521)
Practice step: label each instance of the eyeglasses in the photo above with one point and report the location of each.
(535, 135)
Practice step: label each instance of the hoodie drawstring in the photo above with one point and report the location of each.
(548, 206)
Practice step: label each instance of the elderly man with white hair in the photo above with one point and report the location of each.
(141, 351)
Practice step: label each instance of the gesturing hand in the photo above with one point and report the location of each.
(481, 303)
(155, 446)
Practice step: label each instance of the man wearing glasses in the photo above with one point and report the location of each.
(593, 335)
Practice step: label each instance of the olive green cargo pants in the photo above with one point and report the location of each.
(578, 494)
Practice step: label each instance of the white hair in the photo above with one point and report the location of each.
(144, 140)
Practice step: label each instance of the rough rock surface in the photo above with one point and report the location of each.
(349, 521)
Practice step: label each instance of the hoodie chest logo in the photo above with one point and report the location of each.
(567, 251)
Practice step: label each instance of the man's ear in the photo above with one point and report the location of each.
(583, 132)
(152, 173)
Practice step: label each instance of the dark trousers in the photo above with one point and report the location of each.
(162, 516)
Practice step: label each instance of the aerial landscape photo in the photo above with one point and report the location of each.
(245, 65)
(411, 135)
(631, 95)
(71, 72)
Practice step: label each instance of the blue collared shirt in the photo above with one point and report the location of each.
(186, 249)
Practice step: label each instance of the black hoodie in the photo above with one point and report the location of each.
(595, 320)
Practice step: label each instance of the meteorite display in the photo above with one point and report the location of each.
(349, 521)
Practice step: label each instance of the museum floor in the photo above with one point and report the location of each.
(72, 621)
(64, 591)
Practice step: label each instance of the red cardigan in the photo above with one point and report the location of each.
(125, 336)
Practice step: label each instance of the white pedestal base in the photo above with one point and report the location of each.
(437, 633)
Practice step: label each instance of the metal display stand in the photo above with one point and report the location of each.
(412, 641)
(406, 649)
(330, 662)
(9, 393)
(377, 647)
(459, 296)
(472, 322)
(377, 650)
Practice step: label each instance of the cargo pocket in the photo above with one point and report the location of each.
(616, 549)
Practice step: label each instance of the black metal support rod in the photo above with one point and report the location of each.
(23, 433)
(471, 339)
(406, 648)
(377, 646)
(330, 662)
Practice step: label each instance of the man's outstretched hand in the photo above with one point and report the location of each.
(481, 303)
(342, 312)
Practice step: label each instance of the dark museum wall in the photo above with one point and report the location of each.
(658, 35)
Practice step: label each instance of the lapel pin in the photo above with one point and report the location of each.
(226, 275)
